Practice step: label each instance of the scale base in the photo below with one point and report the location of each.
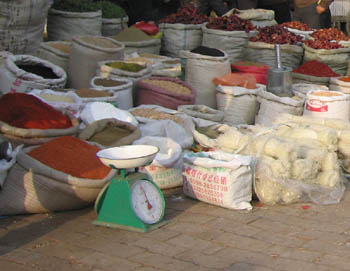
(147, 228)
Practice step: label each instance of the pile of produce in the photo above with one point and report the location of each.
(322, 44)
(75, 5)
(329, 34)
(276, 34)
(155, 115)
(316, 68)
(297, 25)
(207, 51)
(186, 15)
(130, 67)
(110, 10)
(169, 86)
(232, 23)
(132, 34)
(92, 93)
(72, 156)
(27, 111)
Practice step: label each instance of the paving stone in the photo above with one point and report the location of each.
(165, 262)
(295, 253)
(10, 266)
(247, 267)
(336, 262)
(158, 247)
(278, 238)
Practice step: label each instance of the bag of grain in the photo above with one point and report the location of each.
(164, 91)
(219, 178)
(201, 69)
(120, 87)
(327, 104)
(87, 51)
(21, 73)
(108, 133)
(64, 25)
(136, 41)
(38, 184)
(239, 104)
(271, 106)
(113, 26)
(56, 52)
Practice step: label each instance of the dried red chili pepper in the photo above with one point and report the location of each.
(316, 68)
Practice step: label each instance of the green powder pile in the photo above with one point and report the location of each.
(132, 34)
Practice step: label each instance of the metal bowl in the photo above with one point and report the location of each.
(129, 156)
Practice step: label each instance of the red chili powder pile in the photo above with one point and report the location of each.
(23, 110)
(72, 156)
(316, 68)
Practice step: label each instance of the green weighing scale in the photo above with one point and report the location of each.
(130, 201)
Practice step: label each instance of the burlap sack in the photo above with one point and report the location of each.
(32, 187)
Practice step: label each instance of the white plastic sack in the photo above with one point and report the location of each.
(271, 106)
(14, 79)
(64, 25)
(122, 94)
(99, 110)
(231, 42)
(112, 26)
(291, 55)
(200, 72)
(219, 178)
(301, 89)
(50, 51)
(239, 104)
(181, 134)
(5, 165)
(178, 37)
(166, 168)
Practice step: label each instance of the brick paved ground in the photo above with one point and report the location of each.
(198, 237)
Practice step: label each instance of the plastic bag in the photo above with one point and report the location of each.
(148, 28)
(6, 165)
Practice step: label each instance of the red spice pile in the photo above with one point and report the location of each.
(27, 111)
(316, 68)
(72, 156)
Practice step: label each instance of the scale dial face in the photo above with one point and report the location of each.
(147, 201)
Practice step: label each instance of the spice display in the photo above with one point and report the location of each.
(56, 98)
(110, 10)
(27, 111)
(105, 82)
(71, 155)
(148, 55)
(109, 135)
(92, 93)
(189, 14)
(316, 68)
(276, 34)
(249, 64)
(231, 23)
(297, 25)
(345, 79)
(130, 67)
(140, 60)
(75, 5)
(39, 70)
(322, 44)
(100, 42)
(64, 48)
(169, 86)
(132, 34)
(207, 51)
(156, 115)
(329, 34)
